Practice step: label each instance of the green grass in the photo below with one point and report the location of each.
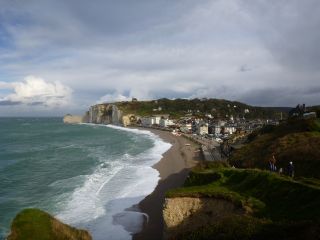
(33, 224)
(268, 194)
(297, 141)
(179, 107)
(279, 204)
(246, 227)
(283, 197)
(279, 207)
(24, 225)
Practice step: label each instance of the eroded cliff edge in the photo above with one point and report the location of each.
(220, 202)
(191, 213)
(102, 114)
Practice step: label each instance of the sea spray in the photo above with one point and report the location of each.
(86, 175)
(100, 204)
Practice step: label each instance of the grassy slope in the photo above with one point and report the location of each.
(297, 141)
(280, 205)
(33, 224)
(179, 107)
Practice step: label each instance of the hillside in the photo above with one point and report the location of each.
(315, 109)
(216, 107)
(274, 206)
(296, 140)
(38, 225)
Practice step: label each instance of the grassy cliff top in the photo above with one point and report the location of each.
(281, 208)
(215, 107)
(36, 224)
(297, 140)
(270, 195)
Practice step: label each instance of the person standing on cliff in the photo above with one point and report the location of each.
(272, 164)
(291, 169)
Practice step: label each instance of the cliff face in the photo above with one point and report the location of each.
(108, 114)
(71, 119)
(104, 114)
(190, 213)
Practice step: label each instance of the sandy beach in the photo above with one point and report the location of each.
(173, 169)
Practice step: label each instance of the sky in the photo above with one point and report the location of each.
(61, 56)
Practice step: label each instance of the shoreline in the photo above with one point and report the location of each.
(173, 169)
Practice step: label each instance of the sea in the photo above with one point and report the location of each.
(86, 175)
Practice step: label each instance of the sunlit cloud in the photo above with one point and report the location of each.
(36, 91)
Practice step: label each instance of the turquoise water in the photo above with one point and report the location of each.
(75, 172)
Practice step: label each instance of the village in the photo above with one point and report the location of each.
(217, 137)
(217, 134)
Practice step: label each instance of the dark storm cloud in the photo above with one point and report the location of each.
(261, 52)
(77, 23)
(8, 103)
(290, 30)
(281, 96)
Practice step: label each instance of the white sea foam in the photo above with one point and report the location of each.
(99, 204)
(85, 203)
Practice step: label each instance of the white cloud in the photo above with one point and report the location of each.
(36, 91)
(5, 85)
(114, 97)
(153, 49)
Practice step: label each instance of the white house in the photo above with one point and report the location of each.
(156, 120)
(203, 129)
(310, 115)
(217, 129)
(149, 121)
(230, 129)
(146, 121)
(166, 122)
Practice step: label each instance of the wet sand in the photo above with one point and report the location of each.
(173, 168)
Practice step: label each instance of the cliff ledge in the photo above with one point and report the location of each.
(36, 224)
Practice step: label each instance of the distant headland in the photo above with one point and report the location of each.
(133, 112)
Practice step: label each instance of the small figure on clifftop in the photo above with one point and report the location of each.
(272, 164)
(280, 171)
(291, 169)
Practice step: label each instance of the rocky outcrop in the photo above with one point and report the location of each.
(108, 114)
(103, 114)
(36, 224)
(129, 119)
(190, 213)
(72, 119)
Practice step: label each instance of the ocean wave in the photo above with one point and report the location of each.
(113, 187)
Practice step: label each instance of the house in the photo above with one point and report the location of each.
(156, 120)
(203, 129)
(153, 120)
(157, 109)
(217, 129)
(310, 115)
(146, 121)
(186, 128)
(229, 129)
(166, 122)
